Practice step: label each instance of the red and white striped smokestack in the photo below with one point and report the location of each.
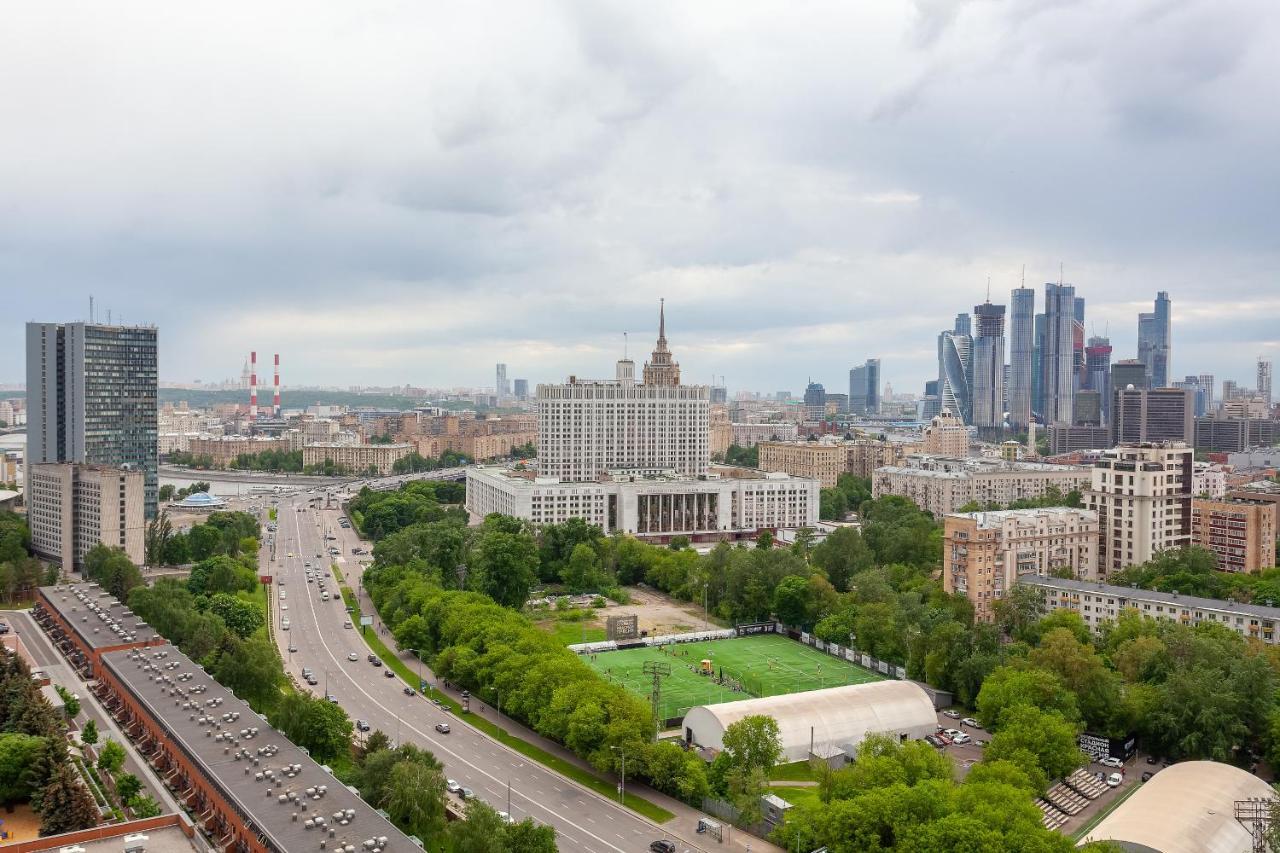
(253, 385)
(275, 401)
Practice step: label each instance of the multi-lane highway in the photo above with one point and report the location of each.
(583, 819)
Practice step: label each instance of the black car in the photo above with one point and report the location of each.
(388, 673)
(362, 725)
(409, 691)
(1146, 775)
(376, 662)
(1151, 759)
(662, 845)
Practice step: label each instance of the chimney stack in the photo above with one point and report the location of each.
(253, 385)
(275, 400)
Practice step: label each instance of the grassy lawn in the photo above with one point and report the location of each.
(795, 796)
(568, 633)
(762, 665)
(796, 771)
(583, 777)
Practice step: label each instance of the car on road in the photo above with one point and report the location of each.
(290, 555)
(1151, 759)
(311, 679)
(347, 624)
(376, 662)
(467, 794)
(362, 725)
(371, 657)
(331, 698)
(292, 648)
(452, 786)
(388, 673)
(442, 728)
(319, 556)
(284, 626)
(662, 845)
(409, 691)
(4, 628)
(1114, 780)
(353, 656)
(971, 723)
(1111, 761)
(955, 715)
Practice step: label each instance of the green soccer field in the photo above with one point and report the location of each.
(761, 665)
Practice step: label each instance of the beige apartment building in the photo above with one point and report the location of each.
(941, 485)
(984, 553)
(819, 460)
(1101, 603)
(222, 450)
(826, 460)
(1142, 495)
(720, 430)
(357, 458)
(72, 507)
(496, 445)
(751, 434)
(1242, 534)
(946, 435)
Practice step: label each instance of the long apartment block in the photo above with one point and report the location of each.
(246, 785)
(1100, 603)
(84, 621)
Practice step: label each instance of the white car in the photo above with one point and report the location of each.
(960, 738)
(952, 733)
(452, 786)
(1110, 761)
(353, 656)
(1114, 780)
(284, 626)
(284, 607)
(971, 723)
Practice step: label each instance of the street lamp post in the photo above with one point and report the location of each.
(418, 655)
(622, 786)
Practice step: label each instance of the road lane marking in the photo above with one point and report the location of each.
(430, 740)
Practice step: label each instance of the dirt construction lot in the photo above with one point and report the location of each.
(658, 614)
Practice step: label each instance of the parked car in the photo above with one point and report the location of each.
(955, 715)
(1151, 759)
(951, 733)
(409, 691)
(331, 698)
(442, 728)
(1114, 780)
(467, 794)
(1146, 775)
(662, 845)
(506, 818)
(388, 673)
(1111, 761)
(946, 741)
(971, 723)
(376, 662)
(452, 786)
(934, 741)
(371, 657)
(961, 738)
(362, 725)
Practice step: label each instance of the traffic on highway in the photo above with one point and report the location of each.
(324, 652)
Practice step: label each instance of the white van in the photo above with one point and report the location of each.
(282, 595)
(324, 596)
(284, 626)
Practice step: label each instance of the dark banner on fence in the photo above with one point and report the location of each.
(756, 628)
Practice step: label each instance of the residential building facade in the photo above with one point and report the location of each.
(357, 458)
(946, 435)
(985, 553)
(821, 460)
(1101, 603)
(1241, 534)
(1142, 495)
(1156, 414)
(941, 485)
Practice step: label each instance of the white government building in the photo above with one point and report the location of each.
(635, 458)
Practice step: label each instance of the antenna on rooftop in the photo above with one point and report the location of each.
(1060, 273)
(90, 307)
(988, 289)
(1024, 275)
(624, 346)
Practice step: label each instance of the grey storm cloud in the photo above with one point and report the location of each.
(391, 193)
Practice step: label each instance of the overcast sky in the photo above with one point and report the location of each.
(409, 192)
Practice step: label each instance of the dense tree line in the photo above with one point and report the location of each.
(35, 764)
(415, 462)
(289, 461)
(1193, 571)
(499, 655)
(20, 573)
(747, 457)
(378, 514)
(231, 534)
(848, 494)
(903, 797)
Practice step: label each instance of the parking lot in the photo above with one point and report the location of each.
(968, 754)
